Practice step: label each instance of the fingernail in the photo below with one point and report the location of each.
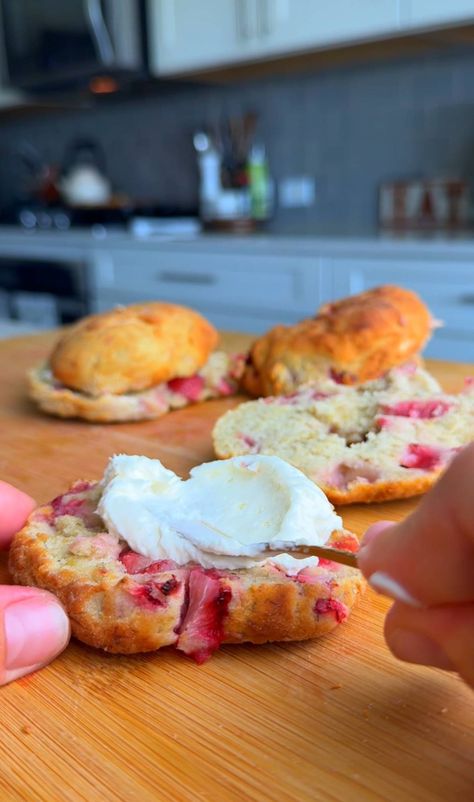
(416, 648)
(383, 583)
(36, 630)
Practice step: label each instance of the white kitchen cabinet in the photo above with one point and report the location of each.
(235, 290)
(289, 26)
(426, 13)
(446, 286)
(186, 35)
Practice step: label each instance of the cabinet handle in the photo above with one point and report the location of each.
(263, 18)
(175, 277)
(245, 17)
(468, 298)
(241, 19)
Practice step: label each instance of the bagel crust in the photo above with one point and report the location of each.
(132, 348)
(353, 340)
(122, 602)
(216, 379)
(386, 439)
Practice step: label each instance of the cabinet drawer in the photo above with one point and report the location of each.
(223, 318)
(243, 282)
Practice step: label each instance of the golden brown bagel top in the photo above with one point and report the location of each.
(352, 340)
(132, 348)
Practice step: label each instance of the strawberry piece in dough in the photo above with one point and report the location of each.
(332, 607)
(71, 504)
(191, 387)
(425, 458)
(418, 409)
(225, 388)
(201, 632)
(135, 563)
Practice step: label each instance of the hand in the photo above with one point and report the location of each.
(426, 563)
(33, 626)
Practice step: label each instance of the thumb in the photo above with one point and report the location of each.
(34, 629)
(15, 506)
(429, 557)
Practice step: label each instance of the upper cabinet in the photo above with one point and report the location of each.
(292, 26)
(187, 36)
(425, 13)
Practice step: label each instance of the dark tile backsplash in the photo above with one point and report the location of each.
(348, 127)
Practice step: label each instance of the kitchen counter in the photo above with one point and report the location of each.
(336, 719)
(295, 242)
(253, 283)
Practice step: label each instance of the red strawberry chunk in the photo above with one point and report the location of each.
(148, 596)
(225, 388)
(425, 458)
(331, 607)
(135, 563)
(70, 504)
(422, 408)
(201, 632)
(191, 387)
(252, 445)
(65, 505)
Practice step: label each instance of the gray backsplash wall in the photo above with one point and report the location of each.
(348, 127)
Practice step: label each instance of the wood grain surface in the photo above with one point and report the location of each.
(337, 719)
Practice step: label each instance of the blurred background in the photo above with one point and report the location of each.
(251, 158)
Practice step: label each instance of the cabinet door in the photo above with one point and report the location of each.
(286, 26)
(423, 13)
(186, 35)
(446, 286)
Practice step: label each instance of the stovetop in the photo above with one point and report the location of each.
(58, 217)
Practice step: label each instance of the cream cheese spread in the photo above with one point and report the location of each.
(224, 516)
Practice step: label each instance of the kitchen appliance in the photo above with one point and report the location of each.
(84, 182)
(53, 44)
(142, 219)
(44, 291)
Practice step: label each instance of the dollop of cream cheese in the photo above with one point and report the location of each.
(224, 516)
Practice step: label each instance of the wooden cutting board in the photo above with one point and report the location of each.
(337, 720)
